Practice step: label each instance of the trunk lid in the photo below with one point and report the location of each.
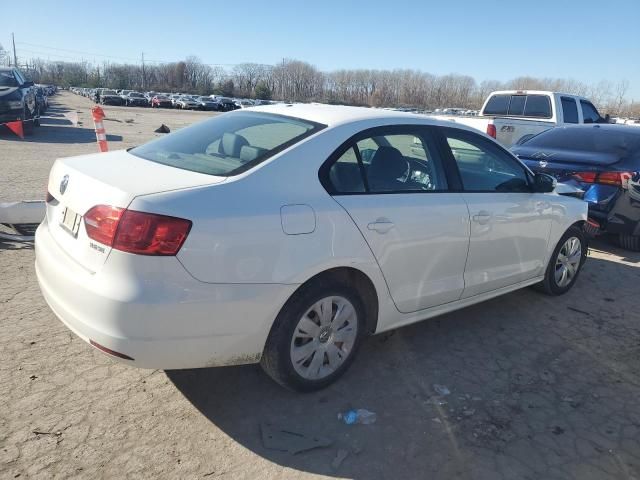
(115, 178)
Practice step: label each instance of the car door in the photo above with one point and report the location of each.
(510, 225)
(392, 183)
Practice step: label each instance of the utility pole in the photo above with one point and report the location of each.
(15, 58)
(143, 73)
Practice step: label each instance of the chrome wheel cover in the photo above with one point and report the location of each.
(568, 261)
(324, 337)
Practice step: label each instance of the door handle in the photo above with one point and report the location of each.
(482, 217)
(381, 225)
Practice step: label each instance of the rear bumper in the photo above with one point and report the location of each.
(624, 215)
(12, 115)
(151, 310)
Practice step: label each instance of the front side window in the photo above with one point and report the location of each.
(569, 110)
(227, 144)
(589, 112)
(484, 167)
(388, 163)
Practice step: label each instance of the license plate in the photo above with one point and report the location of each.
(70, 221)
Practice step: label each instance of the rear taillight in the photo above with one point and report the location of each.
(620, 179)
(136, 232)
(101, 223)
(491, 130)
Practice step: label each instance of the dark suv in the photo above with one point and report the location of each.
(17, 99)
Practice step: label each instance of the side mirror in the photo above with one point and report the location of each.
(28, 83)
(543, 183)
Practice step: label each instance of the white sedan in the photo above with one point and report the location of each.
(285, 234)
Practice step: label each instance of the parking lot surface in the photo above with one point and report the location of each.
(524, 386)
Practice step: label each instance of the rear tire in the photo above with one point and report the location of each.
(307, 350)
(565, 263)
(629, 242)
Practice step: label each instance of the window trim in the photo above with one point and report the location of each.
(442, 131)
(426, 132)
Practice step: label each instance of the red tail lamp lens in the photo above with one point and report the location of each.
(101, 223)
(491, 130)
(136, 232)
(151, 234)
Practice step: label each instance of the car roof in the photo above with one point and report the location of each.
(333, 115)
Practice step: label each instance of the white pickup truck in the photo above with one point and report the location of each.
(514, 116)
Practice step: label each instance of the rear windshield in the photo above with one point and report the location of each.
(227, 144)
(622, 141)
(538, 106)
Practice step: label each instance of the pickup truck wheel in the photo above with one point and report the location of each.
(565, 263)
(629, 242)
(315, 337)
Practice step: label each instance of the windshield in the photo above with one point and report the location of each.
(109, 92)
(228, 144)
(7, 79)
(136, 95)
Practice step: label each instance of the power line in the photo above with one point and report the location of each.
(93, 54)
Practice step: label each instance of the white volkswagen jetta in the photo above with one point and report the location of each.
(285, 234)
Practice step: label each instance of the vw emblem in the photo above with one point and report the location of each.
(63, 184)
(543, 163)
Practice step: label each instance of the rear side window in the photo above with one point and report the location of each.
(569, 110)
(228, 144)
(386, 161)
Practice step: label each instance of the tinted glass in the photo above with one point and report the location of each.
(569, 110)
(483, 166)
(622, 141)
(497, 105)
(7, 79)
(537, 106)
(589, 112)
(516, 107)
(227, 144)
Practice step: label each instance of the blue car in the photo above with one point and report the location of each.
(602, 162)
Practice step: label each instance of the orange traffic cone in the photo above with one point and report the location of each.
(101, 134)
(16, 127)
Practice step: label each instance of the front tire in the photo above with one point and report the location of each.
(565, 263)
(315, 337)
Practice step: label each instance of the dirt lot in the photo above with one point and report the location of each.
(540, 387)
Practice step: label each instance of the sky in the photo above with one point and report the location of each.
(586, 40)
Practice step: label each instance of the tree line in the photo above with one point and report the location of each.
(299, 81)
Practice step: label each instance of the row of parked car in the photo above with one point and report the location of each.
(132, 98)
(22, 100)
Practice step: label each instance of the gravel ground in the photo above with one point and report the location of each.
(539, 387)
